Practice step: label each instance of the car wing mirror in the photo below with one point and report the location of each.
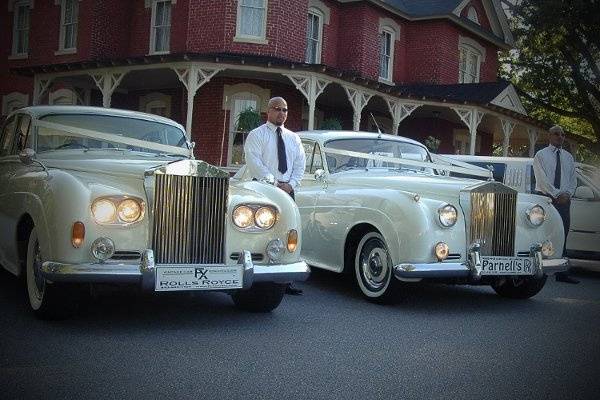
(584, 192)
(27, 156)
(320, 175)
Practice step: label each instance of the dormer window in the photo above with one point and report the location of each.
(20, 45)
(472, 15)
(160, 33)
(69, 14)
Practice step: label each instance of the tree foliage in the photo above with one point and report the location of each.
(556, 64)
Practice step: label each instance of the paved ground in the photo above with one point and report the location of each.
(442, 342)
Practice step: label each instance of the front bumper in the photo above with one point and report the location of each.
(143, 273)
(472, 267)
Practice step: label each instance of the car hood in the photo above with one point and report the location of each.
(423, 185)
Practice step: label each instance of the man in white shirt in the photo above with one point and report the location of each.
(554, 170)
(273, 150)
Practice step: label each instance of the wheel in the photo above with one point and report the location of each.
(519, 288)
(373, 269)
(47, 300)
(261, 297)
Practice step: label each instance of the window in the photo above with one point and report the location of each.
(156, 103)
(251, 19)
(161, 27)
(7, 136)
(314, 36)
(237, 139)
(469, 64)
(68, 24)
(13, 101)
(472, 14)
(386, 54)
(314, 160)
(23, 138)
(20, 44)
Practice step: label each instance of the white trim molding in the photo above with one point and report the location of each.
(11, 4)
(472, 118)
(388, 26)
(261, 38)
(69, 96)
(263, 95)
(62, 28)
(510, 100)
(319, 5)
(153, 28)
(14, 101)
(311, 86)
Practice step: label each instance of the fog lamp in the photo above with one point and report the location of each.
(77, 234)
(292, 242)
(103, 248)
(547, 249)
(275, 249)
(441, 251)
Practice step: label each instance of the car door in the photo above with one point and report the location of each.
(584, 234)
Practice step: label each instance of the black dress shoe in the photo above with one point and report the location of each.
(289, 289)
(562, 277)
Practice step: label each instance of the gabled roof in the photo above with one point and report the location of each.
(422, 8)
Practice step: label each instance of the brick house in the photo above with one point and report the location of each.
(420, 67)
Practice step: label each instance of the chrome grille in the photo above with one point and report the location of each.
(189, 219)
(493, 218)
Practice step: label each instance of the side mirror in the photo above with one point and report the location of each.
(320, 175)
(584, 192)
(27, 156)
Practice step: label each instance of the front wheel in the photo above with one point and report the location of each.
(47, 300)
(373, 269)
(519, 287)
(261, 297)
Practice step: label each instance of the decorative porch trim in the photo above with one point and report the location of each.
(311, 87)
(533, 135)
(507, 129)
(400, 110)
(107, 82)
(40, 86)
(472, 118)
(359, 100)
(193, 77)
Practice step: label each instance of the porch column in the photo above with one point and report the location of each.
(400, 110)
(40, 85)
(472, 118)
(107, 82)
(193, 77)
(507, 129)
(533, 137)
(311, 87)
(359, 100)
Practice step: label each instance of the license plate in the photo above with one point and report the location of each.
(494, 265)
(202, 277)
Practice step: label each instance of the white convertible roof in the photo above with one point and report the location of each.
(41, 111)
(326, 136)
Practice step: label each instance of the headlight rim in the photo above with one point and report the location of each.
(441, 209)
(528, 213)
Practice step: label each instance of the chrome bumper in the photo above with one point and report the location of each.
(472, 268)
(143, 273)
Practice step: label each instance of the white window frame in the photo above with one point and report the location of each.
(318, 14)
(241, 37)
(16, 29)
(63, 27)
(472, 14)
(468, 47)
(390, 57)
(156, 100)
(154, 27)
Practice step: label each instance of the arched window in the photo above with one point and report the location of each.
(471, 55)
(13, 101)
(389, 32)
(66, 97)
(156, 103)
(472, 14)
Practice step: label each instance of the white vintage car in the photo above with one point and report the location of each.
(92, 195)
(376, 206)
(583, 240)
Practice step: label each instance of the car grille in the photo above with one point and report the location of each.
(189, 219)
(493, 218)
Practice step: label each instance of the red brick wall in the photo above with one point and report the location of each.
(108, 38)
(331, 32)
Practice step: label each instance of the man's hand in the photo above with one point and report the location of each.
(563, 198)
(286, 187)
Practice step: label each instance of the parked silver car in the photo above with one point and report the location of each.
(93, 195)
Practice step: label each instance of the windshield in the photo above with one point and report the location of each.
(376, 147)
(107, 132)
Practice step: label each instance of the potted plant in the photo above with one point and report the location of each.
(245, 122)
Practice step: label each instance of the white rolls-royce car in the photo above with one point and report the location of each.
(93, 195)
(376, 206)
(583, 240)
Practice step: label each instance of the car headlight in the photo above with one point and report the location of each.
(536, 215)
(243, 217)
(254, 217)
(117, 210)
(265, 217)
(447, 215)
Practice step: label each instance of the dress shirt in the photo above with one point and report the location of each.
(261, 154)
(544, 166)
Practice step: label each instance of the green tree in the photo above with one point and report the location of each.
(556, 64)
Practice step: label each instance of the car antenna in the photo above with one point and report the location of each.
(377, 125)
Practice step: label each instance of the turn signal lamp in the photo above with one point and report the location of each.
(77, 234)
(292, 240)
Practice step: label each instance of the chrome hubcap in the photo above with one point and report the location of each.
(40, 282)
(375, 268)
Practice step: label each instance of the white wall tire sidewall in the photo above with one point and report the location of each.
(357, 269)
(36, 299)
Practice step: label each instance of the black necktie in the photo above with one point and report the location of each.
(557, 170)
(281, 158)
